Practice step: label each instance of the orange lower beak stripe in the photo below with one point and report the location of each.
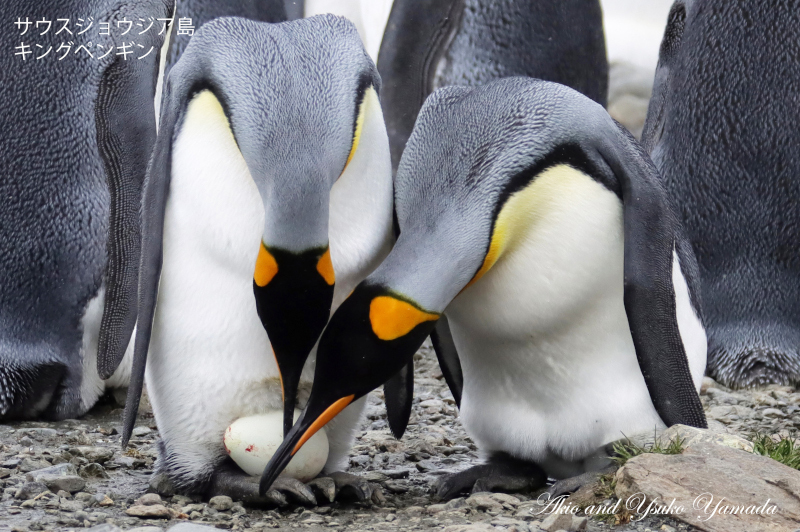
(320, 422)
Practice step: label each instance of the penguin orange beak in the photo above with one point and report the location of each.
(307, 425)
(294, 292)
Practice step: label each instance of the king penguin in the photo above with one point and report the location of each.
(438, 43)
(540, 228)
(722, 130)
(74, 149)
(268, 198)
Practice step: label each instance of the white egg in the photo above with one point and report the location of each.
(251, 441)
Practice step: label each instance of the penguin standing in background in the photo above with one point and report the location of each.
(437, 43)
(722, 130)
(74, 150)
(540, 228)
(268, 199)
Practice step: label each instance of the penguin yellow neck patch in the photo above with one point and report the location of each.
(330, 413)
(526, 207)
(392, 318)
(266, 267)
(325, 268)
(362, 111)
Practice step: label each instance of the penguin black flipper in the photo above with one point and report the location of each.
(125, 137)
(154, 203)
(446, 352)
(651, 237)
(398, 393)
(415, 38)
(670, 45)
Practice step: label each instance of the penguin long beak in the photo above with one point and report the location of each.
(293, 292)
(307, 425)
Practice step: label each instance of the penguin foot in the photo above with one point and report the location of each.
(231, 481)
(341, 486)
(500, 473)
(573, 484)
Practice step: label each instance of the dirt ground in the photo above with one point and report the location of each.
(403, 471)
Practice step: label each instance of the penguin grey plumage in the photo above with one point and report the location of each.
(437, 43)
(268, 198)
(540, 228)
(116, 335)
(722, 130)
(74, 148)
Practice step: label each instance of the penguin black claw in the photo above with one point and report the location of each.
(500, 473)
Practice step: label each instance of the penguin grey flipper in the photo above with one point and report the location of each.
(501, 472)
(125, 137)
(446, 353)
(398, 393)
(673, 36)
(415, 38)
(154, 202)
(651, 232)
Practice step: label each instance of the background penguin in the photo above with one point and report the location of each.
(74, 150)
(538, 226)
(722, 130)
(266, 154)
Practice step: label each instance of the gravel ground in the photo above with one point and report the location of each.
(435, 443)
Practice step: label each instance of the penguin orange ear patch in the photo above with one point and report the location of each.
(392, 318)
(266, 267)
(325, 268)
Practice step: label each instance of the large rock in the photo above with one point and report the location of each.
(718, 488)
(58, 477)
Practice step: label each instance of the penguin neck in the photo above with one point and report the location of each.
(361, 206)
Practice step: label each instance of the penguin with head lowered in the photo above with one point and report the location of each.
(268, 198)
(722, 128)
(539, 227)
(78, 128)
(430, 44)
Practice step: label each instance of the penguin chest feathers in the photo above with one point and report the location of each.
(548, 359)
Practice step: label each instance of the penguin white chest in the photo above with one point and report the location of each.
(550, 370)
(206, 328)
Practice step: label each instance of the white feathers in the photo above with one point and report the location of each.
(550, 371)
(693, 334)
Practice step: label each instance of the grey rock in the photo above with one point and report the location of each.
(555, 522)
(145, 529)
(148, 499)
(483, 501)
(474, 527)
(104, 528)
(26, 465)
(93, 470)
(30, 490)
(153, 511)
(221, 502)
(141, 431)
(98, 455)
(740, 477)
(190, 527)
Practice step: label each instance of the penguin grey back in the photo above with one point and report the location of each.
(472, 42)
(74, 148)
(722, 129)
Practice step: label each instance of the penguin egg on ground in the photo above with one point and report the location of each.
(251, 441)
